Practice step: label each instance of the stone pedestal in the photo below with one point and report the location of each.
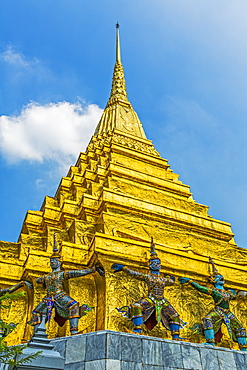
(49, 359)
(109, 350)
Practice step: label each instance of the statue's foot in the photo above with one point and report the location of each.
(36, 327)
(243, 347)
(242, 343)
(137, 331)
(209, 344)
(180, 339)
(133, 331)
(74, 332)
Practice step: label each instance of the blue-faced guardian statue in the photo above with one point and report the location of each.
(154, 308)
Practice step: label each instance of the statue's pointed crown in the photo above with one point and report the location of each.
(55, 253)
(214, 270)
(119, 113)
(153, 253)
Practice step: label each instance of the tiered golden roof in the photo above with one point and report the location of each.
(119, 194)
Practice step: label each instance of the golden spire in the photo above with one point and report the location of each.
(119, 113)
(118, 89)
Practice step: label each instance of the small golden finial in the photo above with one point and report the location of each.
(118, 55)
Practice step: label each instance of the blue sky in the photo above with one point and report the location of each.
(186, 69)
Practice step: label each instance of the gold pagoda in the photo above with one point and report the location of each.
(120, 193)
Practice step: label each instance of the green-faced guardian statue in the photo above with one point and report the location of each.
(221, 313)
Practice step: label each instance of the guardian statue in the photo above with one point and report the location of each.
(154, 308)
(221, 313)
(66, 308)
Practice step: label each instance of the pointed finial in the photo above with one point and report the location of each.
(118, 55)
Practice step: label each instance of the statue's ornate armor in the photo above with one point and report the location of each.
(221, 313)
(154, 308)
(65, 306)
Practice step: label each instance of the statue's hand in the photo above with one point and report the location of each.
(100, 269)
(39, 280)
(28, 284)
(116, 267)
(170, 278)
(183, 280)
(242, 293)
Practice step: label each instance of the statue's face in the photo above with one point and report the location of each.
(155, 265)
(55, 263)
(219, 280)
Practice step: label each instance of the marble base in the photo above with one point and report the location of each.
(109, 350)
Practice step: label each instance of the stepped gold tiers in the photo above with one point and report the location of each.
(119, 194)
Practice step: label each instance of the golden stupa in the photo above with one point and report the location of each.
(120, 193)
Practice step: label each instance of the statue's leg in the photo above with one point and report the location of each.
(174, 323)
(208, 330)
(74, 325)
(74, 318)
(36, 319)
(175, 331)
(1, 329)
(242, 343)
(136, 317)
(209, 335)
(240, 333)
(37, 314)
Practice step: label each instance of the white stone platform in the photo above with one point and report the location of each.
(110, 350)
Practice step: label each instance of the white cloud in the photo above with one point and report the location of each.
(56, 131)
(17, 59)
(22, 69)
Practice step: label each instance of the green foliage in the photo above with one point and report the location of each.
(7, 353)
(8, 297)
